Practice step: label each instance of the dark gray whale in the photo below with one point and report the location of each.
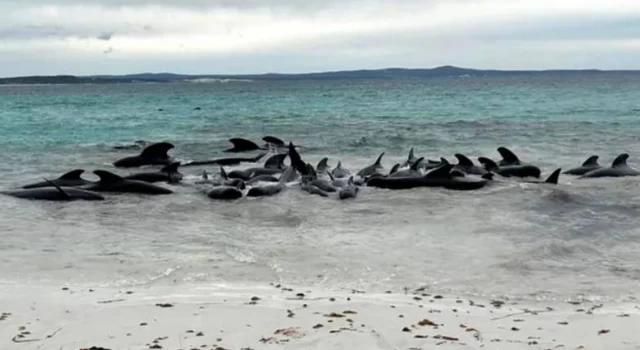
(350, 191)
(466, 165)
(226, 161)
(270, 190)
(54, 193)
(411, 172)
(510, 165)
(438, 177)
(70, 179)
(168, 174)
(590, 164)
(618, 168)
(154, 154)
(226, 192)
(242, 145)
(110, 182)
(371, 169)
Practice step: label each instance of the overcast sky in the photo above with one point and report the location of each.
(258, 36)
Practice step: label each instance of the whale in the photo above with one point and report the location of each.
(411, 159)
(466, 165)
(296, 160)
(618, 168)
(54, 193)
(242, 145)
(510, 165)
(273, 189)
(169, 174)
(350, 191)
(339, 172)
(439, 177)
(276, 161)
(313, 180)
(411, 172)
(313, 189)
(371, 169)
(233, 182)
(261, 178)
(225, 192)
(226, 161)
(551, 179)
(110, 182)
(322, 166)
(154, 154)
(589, 165)
(70, 179)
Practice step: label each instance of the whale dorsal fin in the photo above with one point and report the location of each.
(331, 176)
(339, 166)
(411, 156)
(553, 178)
(171, 168)
(240, 144)
(394, 169)
(444, 161)
(620, 160)
(443, 171)
(593, 160)
(464, 160)
(508, 156)
(275, 161)
(72, 175)
(62, 192)
(107, 176)
(223, 173)
(350, 182)
(274, 140)
(157, 150)
(416, 164)
(488, 164)
(296, 160)
(311, 172)
(379, 159)
(322, 164)
(288, 175)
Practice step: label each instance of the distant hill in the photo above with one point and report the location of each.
(388, 73)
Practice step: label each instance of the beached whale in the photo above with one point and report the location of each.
(226, 161)
(154, 154)
(243, 145)
(339, 172)
(169, 174)
(413, 171)
(371, 169)
(110, 182)
(590, 164)
(438, 177)
(510, 165)
(225, 192)
(349, 191)
(54, 193)
(618, 168)
(466, 165)
(70, 179)
(272, 189)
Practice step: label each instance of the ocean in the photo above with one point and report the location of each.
(578, 239)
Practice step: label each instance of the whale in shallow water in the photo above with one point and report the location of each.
(226, 161)
(154, 154)
(339, 172)
(438, 177)
(225, 192)
(54, 193)
(168, 174)
(110, 182)
(510, 165)
(70, 179)
(618, 168)
(411, 172)
(270, 190)
(242, 145)
(590, 164)
(466, 165)
(322, 183)
(349, 191)
(371, 169)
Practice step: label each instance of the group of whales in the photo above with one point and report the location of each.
(274, 176)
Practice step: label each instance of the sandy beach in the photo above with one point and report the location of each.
(285, 317)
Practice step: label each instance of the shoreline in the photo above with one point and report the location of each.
(273, 316)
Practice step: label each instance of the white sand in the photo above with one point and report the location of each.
(51, 318)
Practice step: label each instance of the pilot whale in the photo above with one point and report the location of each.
(70, 179)
(154, 154)
(110, 182)
(618, 168)
(590, 164)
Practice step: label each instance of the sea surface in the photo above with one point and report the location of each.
(580, 238)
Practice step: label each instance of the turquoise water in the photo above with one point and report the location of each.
(578, 238)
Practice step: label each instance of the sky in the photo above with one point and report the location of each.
(84, 37)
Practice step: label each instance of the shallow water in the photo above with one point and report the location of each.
(520, 240)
